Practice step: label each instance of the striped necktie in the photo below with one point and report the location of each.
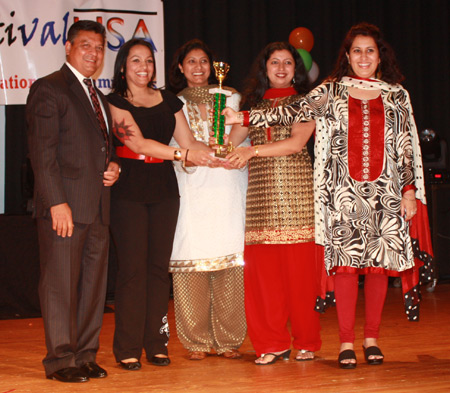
(99, 114)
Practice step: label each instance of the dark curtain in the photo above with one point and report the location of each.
(18, 173)
(236, 30)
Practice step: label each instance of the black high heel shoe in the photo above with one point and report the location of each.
(284, 355)
(373, 351)
(347, 354)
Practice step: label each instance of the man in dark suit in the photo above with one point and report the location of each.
(74, 166)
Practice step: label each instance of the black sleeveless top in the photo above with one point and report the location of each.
(141, 182)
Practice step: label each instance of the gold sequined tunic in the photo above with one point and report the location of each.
(280, 205)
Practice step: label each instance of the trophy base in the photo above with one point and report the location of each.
(215, 90)
(221, 152)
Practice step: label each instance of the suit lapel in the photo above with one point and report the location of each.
(84, 101)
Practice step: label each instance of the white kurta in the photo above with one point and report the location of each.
(211, 222)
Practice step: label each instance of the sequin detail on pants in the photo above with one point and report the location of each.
(209, 309)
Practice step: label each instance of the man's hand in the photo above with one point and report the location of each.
(62, 221)
(111, 174)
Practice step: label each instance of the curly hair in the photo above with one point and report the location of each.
(119, 84)
(177, 80)
(387, 71)
(257, 83)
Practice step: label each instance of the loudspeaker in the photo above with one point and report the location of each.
(440, 227)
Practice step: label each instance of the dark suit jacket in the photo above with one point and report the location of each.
(67, 148)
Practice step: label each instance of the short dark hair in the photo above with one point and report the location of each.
(85, 25)
(177, 80)
(119, 84)
(257, 83)
(387, 71)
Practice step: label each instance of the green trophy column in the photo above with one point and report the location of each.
(220, 100)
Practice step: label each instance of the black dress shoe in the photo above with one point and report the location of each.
(157, 361)
(130, 366)
(93, 370)
(69, 374)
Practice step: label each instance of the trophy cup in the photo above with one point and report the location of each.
(220, 98)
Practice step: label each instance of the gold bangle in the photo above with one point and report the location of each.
(255, 148)
(240, 116)
(177, 155)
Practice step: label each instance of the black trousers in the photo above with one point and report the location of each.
(143, 235)
(72, 291)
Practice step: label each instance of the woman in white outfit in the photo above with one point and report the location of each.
(207, 255)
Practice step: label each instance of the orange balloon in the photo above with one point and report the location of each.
(301, 38)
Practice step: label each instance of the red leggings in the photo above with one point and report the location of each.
(346, 292)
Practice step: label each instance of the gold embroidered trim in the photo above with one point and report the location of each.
(196, 123)
(277, 236)
(207, 265)
(201, 94)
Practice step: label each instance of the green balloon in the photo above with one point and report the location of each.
(306, 57)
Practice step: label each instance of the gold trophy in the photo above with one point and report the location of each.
(220, 99)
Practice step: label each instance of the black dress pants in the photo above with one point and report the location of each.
(143, 234)
(72, 290)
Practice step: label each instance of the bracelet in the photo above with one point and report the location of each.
(240, 116)
(177, 155)
(409, 199)
(185, 157)
(255, 148)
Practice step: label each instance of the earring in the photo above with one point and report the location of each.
(293, 81)
(378, 73)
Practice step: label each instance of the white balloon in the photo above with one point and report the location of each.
(313, 73)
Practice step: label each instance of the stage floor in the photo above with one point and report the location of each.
(417, 359)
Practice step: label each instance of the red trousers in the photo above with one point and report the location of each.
(280, 285)
(346, 293)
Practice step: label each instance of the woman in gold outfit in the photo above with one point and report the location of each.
(280, 267)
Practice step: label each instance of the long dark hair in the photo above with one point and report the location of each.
(388, 70)
(257, 83)
(120, 85)
(177, 80)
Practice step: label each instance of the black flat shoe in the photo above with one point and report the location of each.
(373, 351)
(69, 374)
(93, 370)
(284, 355)
(157, 361)
(347, 354)
(130, 366)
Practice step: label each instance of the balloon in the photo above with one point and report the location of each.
(301, 38)
(306, 57)
(313, 73)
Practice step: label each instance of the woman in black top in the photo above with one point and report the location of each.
(145, 202)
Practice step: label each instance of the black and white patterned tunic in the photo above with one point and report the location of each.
(358, 221)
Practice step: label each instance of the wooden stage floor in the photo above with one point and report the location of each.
(417, 359)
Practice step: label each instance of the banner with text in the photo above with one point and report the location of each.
(33, 34)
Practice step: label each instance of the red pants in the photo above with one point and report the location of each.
(281, 285)
(346, 292)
